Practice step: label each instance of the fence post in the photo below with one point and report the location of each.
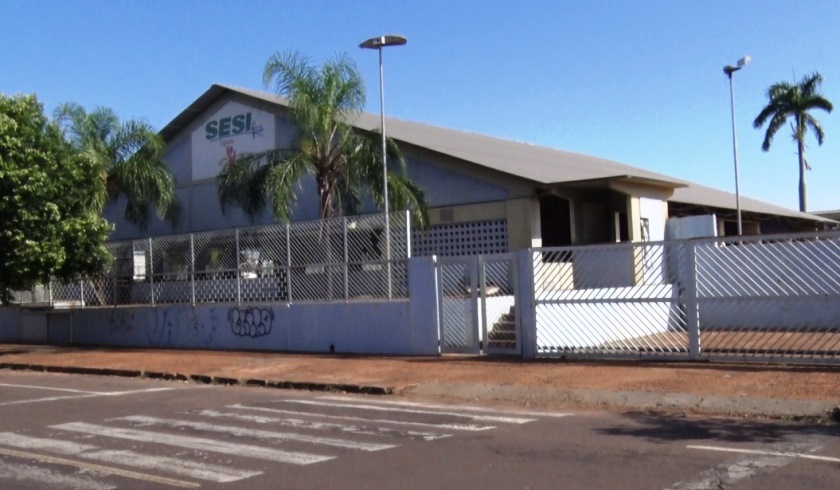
(238, 273)
(192, 267)
(288, 265)
(482, 295)
(346, 268)
(50, 293)
(692, 319)
(151, 272)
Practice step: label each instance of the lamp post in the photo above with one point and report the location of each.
(378, 43)
(729, 70)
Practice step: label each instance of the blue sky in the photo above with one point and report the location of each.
(639, 82)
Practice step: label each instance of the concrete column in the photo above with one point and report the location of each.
(523, 219)
(526, 313)
(424, 308)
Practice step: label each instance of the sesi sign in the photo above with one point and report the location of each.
(231, 126)
(234, 130)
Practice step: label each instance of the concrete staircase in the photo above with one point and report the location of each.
(503, 333)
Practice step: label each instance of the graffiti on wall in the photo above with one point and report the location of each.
(250, 321)
(164, 331)
(120, 321)
(204, 331)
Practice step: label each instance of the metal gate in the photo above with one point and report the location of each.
(478, 305)
(500, 326)
(458, 291)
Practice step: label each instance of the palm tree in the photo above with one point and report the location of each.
(786, 100)
(130, 156)
(345, 161)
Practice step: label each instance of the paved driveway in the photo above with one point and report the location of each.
(82, 432)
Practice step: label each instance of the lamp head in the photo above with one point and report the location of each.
(729, 69)
(383, 41)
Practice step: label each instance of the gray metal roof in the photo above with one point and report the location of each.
(536, 163)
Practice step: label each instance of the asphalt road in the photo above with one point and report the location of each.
(85, 432)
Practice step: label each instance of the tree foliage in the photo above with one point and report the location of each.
(49, 202)
(346, 162)
(130, 156)
(786, 101)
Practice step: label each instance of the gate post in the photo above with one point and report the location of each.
(692, 319)
(526, 312)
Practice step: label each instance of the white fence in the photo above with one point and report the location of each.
(746, 298)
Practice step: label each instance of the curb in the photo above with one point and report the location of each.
(204, 379)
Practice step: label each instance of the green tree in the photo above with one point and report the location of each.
(785, 101)
(52, 221)
(345, 161)
(130, 157)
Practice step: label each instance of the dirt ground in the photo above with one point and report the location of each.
(747, 380)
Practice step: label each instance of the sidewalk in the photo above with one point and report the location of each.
(793, 392)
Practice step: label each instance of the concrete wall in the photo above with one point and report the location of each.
(9, 324)
(399, 327)
(362, 328)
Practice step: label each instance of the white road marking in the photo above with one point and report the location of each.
(82, 394)
(467, 408)
(49, 478)
(48, 388)
(49, 399)
(259, 434)
(102, 469)
(731, 473)
(767, 453)
(361, 406)
(305, 424)
(461, 427)
(197, 443)
(136, 392)
(67, 448)
(178, 466)
(87, 392)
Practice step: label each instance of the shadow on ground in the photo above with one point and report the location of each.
(666, 428)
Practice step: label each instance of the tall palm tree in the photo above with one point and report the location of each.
(787, 100)
(130, 156)
(346, 162)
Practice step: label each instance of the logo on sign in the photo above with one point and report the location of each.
(227, 127)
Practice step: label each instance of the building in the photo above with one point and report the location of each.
(487, 195)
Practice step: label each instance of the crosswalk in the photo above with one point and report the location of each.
(230, 443)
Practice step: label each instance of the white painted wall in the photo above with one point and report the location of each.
(656, 212)
(691, 227)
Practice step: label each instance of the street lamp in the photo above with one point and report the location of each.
(729, 70)
(378, 43)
